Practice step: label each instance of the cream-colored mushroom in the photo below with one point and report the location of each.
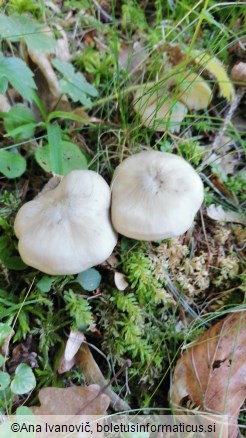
(68, 229)
(193, 90)
(155, 195)
(157, 109)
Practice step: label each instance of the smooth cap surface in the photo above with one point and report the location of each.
(155, 195)
(68, 229)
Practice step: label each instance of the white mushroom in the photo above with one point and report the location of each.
(155, 195)
(67, 230)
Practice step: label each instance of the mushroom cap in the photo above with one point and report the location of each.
(68, 229)
(157, 109)
(155, 195)
(193, 91)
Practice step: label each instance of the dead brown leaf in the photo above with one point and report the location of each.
(212, 372)
(238, 73)
(113, 261)
(73, 344)
(62, 47)
(92, 373)
(217, 213)
(175, 54)
(4, 104)
(68, 359)
(132, 57)
(47, 83)
(88, 366)
(75, 400)
(120, 281)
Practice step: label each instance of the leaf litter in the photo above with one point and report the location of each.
(192, 266)
(211, 373)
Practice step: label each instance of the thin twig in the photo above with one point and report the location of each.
(217, 140)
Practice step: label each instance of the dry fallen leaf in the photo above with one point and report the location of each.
(212, 372)
(93, 374)
(75, 400)
(47, 83)
(62, 47)
(91, 371)
(157, 110)
(120, 281)
(217, 213)
(174, 52)
(73, 344)
(132, 57)
(238, 73)
(4, 104)
(68, 359)
(65, 364)
(112, 261)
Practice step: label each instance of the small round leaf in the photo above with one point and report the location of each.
(23, 410)
(5, 331)
(44, 285)
(11, 165)
(4, 380)
(24, 380)
(89, 279)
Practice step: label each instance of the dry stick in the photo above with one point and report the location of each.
(228, 118)
(217, 140)
(93, 374)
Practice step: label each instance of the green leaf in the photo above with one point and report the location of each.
(23, 320)
(23, 132)
(5, 331)
(8, 28)
(23, 410)
(17, 26)
(24, 380)
(6, 250)
(2, 360)
(55, 148)
(89, 279)
(14, 262)
(44, 285)
(72, 158)
(4, 380)
(69, 116)
(11, 165)
(211, 20)
(24, 415)
(19, 117)
(3, 85)
(74, 84)
(4, 247)
(15, 71)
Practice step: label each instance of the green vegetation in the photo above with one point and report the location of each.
(84, 117)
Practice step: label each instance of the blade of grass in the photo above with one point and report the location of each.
(55, 140)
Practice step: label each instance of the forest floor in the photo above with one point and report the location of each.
(72, 74)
